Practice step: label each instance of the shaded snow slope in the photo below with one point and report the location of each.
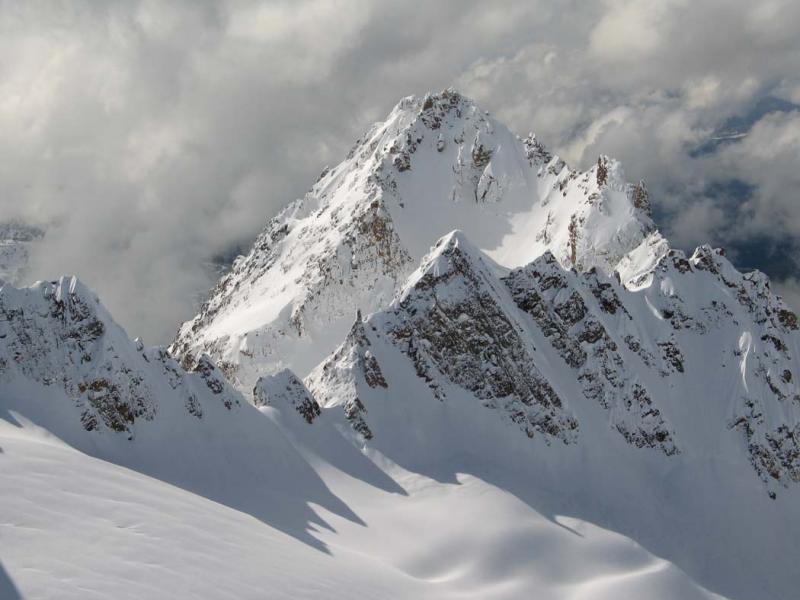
(67, 368)
(550, 402)
(124, 476)
(436, 163)
(78, 527)
(669, 413)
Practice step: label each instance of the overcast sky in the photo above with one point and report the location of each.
(148, 137)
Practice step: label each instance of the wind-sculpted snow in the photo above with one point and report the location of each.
(437, 163)
(480, 514)
(553, 369)
(650, 401)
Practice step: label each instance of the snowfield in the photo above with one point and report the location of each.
(75, 526)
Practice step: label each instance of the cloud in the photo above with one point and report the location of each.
(149, 137)
(789, 289)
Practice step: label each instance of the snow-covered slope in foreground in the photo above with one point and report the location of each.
(125, 477)
(437, 163)
(73, 526)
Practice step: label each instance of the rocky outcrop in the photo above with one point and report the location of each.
(560, 304)
(284, 390)
(57, 334)
(451, 323)
(345, 375)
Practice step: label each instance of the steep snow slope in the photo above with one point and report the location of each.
(669, 413)
(124, 476)
(436, 163)
(68, 368)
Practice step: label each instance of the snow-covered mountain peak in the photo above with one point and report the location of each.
(437, 163)
(452, 255)
(456, 328)
(284, 390)
(550, 357)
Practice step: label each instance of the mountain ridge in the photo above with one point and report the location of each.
(551, 398)
(437, 163)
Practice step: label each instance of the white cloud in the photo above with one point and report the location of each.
(790, 290)
(150, 136)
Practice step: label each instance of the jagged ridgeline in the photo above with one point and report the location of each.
(58, 335)
(557, 308)
(557, 293)
(436, 164)
(697, 360)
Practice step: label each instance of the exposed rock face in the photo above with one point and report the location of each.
(569, 309)
(58, 334)
(580, 302)
(351, 368)
(720, 327)
(692, 346)
(54, 335)
(285, 390)
(437, 163)
(451, 322)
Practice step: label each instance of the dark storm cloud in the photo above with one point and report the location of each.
(149, 137)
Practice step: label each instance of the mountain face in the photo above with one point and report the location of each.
(550, 401)
(125, 476)
(560, 264)
(642, 403)
(57, 335)
(551, 326)
(697, 360)
(71, 379)
(436, 164)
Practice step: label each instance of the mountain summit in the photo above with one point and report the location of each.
(437, 163)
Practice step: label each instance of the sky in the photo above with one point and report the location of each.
(150, 139)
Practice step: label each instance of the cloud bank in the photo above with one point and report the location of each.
(151, 137)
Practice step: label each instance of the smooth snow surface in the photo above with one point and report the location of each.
(74, 526)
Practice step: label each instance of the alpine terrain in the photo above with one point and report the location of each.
(456, 368)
